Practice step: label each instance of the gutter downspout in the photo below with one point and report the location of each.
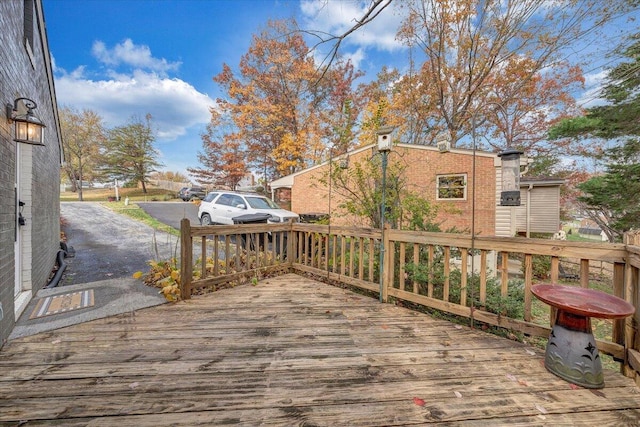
(529, 210)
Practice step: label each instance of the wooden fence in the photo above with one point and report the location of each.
(485, 279)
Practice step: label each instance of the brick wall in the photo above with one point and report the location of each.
(26, 75)
(423, 164)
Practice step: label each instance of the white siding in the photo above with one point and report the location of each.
(544, 213)
(503, 213)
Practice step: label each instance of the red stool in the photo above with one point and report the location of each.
(571, 350)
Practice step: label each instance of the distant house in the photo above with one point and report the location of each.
(590, 230)
(29, 174)
(247, 183)
(428, 170)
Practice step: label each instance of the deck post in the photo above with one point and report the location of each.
(186, 258)
(291, 245)
(384, 264)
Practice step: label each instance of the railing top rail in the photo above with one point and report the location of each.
(221, 230)
(338, 230)
(610, 252)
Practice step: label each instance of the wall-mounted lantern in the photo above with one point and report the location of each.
(28, 127)
(510, 195)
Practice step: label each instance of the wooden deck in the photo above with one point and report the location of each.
(291, 351)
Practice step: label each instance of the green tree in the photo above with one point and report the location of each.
(619, 117)
(129, 152)
(612, 199)
(360, 186)
(82, 137)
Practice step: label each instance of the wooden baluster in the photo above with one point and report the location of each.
(447, 273)
(401, 281)
(584, 273)
(416, 261)
(464, 253)
(528, 279)
(483, 276)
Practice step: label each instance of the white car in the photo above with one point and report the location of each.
(221, 207)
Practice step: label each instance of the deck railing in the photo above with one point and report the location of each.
(230, 254)
(484, 279)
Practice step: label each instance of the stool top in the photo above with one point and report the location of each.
(582, 301)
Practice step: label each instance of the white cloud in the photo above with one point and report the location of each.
(336, 17)
(355, 57)
(175, 105)
(128, 53)
(591, 97)
(135, 84)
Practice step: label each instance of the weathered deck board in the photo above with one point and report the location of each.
(291, 351)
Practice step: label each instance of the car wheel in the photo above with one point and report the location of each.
(205, 219)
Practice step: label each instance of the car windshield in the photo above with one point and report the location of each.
(210, 197)
(261, 203)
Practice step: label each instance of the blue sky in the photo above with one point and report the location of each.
(124, 58)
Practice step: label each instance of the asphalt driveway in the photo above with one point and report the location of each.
(171, 213)
(109, 245)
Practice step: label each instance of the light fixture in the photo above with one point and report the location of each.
(510, 161)
(28, 127)
(443, 142)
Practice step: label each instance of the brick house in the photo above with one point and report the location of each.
(430, 172)
(29, 174)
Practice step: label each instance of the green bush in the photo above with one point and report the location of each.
(511, 305)
(541, 267)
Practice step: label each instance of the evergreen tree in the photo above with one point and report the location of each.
(612, 199)
(129, 152)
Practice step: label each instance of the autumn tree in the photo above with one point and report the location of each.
(341, 113)
(543, 99)
(469, 48)
(129, 152)
(82, 136)
(383, 95)
(284, 111)
(222, 156)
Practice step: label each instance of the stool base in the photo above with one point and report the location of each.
(573, 356)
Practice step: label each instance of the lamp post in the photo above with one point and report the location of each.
(384, 146)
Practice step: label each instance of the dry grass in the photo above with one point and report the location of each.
(134, 194)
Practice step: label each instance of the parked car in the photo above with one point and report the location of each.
(192, 193)
(181, 192)
(223, 206)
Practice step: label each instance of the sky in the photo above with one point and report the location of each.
(128, 58)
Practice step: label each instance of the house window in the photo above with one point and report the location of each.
(28, 26)
(452, 187)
